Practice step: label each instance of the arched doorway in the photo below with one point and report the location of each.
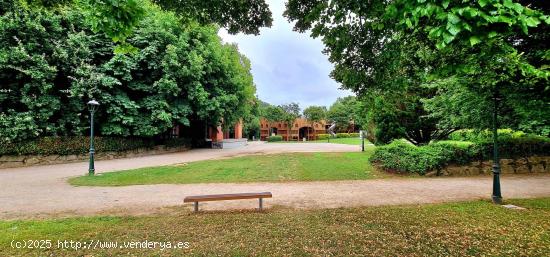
(304, 132)
(273, 131)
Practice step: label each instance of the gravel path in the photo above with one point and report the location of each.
(42, 191)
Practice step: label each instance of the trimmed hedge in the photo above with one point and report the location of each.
(81, 145)
(487, 135)
(322, 136)
(274, 138)
(511, 143)
(338, 135)
(404, 157)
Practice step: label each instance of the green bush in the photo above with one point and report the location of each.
(404, 157)
(512, 144)
(514, 147)
(322, 136)
(338, 135)
(274, 138)
(177, 142)
(81, 145)
(342, 135)
(486, 135)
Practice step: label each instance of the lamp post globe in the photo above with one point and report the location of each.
(92, 107)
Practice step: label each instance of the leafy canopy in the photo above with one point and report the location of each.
(118, 18)
(52, 62)
(430, 48)
(315, 113)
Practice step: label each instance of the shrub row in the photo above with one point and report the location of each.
(338, 135)
(274, 138)
(81, 145)
(487, 135)
(404, 157)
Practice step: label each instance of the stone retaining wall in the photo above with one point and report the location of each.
(534, 164)
(8, 161)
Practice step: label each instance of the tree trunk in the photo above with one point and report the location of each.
(288, 132)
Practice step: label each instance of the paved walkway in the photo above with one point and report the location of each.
(42, 191)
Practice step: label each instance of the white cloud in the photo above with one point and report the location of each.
(287, 66)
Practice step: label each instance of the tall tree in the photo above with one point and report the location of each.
(291, 113)
(373, 53)
(52, 63)
(315, 114)
(273, 114)
(344, 111)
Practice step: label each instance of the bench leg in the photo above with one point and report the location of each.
(261, 203)
(196, 206)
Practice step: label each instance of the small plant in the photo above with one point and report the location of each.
(274, 138)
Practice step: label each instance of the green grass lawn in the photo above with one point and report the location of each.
(256, 168)
(476, 228)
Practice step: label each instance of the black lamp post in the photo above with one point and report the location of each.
(362, 133)
(497, 196)
(92, 106)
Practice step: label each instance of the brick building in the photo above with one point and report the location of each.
(300, 129)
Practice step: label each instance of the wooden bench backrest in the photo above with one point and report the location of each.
(205, 198)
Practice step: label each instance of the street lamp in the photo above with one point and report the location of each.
(362, 133)
(92, 106)
(497, 196)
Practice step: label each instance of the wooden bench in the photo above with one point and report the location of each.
(207, 198)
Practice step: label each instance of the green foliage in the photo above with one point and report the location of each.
(273, 113)
(275, 138)
(514, 147)
(315, 113)
(344, 112)
(72, 145)
(403, 157)
(235, 15)
(346, 135)
(470, 21)
(511, 143)
(338, 135)
(176, 142)
(487, 135)
(323, 136)
(436, 65)
(81, 145)
(466, 94)
(52, 63)
(118, 18)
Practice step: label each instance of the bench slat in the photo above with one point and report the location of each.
(221, 197)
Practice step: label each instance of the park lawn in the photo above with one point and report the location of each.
(476, 228)
(346, 141)
(255, 168)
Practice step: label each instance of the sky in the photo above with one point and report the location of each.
(287, 66)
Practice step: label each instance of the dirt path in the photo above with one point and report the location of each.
(42, 191)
